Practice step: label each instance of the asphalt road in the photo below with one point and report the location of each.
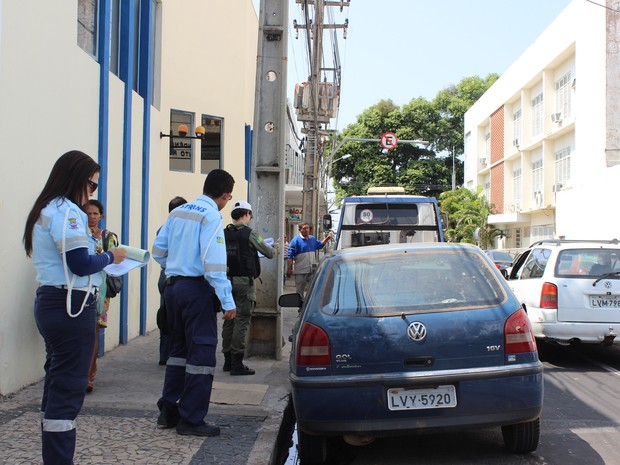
(580, 422)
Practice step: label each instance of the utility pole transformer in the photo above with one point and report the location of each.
(268, 174)
(316, 101)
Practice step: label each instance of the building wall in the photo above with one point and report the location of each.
(497, 160)
(50, 88)
(208, 67)
(561, 199)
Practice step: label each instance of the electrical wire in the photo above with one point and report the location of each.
(603, 6)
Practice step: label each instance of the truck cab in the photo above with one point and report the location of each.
(385, 218)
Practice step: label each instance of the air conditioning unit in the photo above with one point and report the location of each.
(515, 142)
(538, 199)
(556, 117)
(557, 187)
(483, 161)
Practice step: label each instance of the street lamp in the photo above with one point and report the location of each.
(344, 157)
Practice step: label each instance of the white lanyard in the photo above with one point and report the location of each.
(66, 270)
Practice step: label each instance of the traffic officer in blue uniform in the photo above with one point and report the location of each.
(56, 236)
(191, 248)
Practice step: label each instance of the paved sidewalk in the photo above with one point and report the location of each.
(117, 423)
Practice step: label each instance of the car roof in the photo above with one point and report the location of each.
(576, 243)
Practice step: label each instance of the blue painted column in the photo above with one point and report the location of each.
(103, 53)
(126, 72)
(145, 88)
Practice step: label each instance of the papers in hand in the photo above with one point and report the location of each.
(135, 259)
(269, 241)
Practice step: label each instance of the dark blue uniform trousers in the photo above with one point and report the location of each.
(69, 346)
(190, 367)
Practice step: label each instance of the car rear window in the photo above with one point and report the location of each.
(503, 256)
(410, 283)
(587, 263)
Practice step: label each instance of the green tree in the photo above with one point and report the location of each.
(419, 170)
(452, 103)
(467, 213)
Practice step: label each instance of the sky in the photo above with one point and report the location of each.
(404, 49)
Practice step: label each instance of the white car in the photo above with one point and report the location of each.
(570, 290)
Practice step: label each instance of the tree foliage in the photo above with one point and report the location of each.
(467, 213)
(419, 170)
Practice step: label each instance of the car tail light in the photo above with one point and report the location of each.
(498, 266)
(518, 334)
(549, 296)
(313, 346)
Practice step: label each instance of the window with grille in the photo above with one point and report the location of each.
(518, 240)
(516, 124)
(181, 148)
(537, 183)
(563, 95)
(211, 144)
(537, 115)
(487, 144)
(516, 188)
(562, 167)
(487, 189)
(542, 232)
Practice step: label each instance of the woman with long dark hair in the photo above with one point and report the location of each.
(56, 236)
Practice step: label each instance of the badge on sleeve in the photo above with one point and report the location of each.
(73, 223)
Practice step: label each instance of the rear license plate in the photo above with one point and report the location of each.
(605, 301)
(418, 399)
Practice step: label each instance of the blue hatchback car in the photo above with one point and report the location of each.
(409, 338)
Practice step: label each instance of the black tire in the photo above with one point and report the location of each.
(522, 438)
(312, 449)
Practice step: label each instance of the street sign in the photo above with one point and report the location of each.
(389, 141)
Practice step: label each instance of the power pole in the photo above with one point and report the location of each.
(310, 187)
(268, 177)
(323, 98)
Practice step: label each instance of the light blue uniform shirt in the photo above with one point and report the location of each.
(47, 252)
(191, 243)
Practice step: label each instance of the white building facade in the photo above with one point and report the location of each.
(543, 142)
(107, 77)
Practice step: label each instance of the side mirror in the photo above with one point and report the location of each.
(504, 273)
(290, 300)
(444, 221)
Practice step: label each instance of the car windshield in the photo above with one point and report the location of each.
(410, 283)
(587, 263)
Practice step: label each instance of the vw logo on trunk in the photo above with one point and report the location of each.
(416, 331)
(607, 284)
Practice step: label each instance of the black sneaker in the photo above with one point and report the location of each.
(168, 418)
(187, 429)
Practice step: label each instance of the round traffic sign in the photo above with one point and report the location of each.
(389, 140)
(366, 215)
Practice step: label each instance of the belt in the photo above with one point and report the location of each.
(173, 279)
(94, 290)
